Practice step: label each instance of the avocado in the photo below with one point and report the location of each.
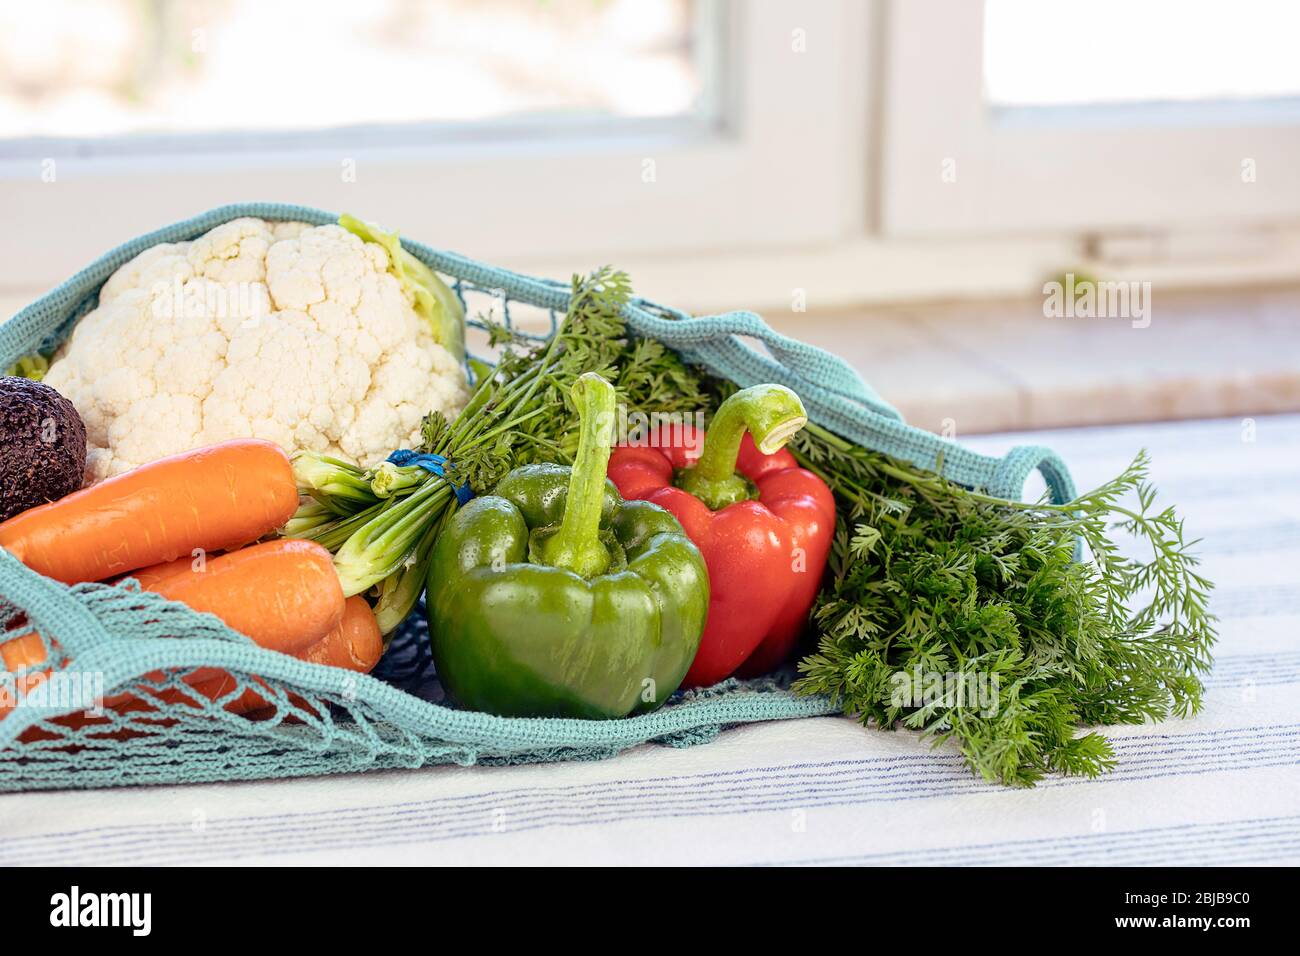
(42, 446)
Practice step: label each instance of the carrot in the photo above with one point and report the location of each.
(354, 644)
(155, 574)
(212, 499)
(20, 652)
(285, 595)
(17, 653)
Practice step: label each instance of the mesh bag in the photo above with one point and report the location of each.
(136, 650)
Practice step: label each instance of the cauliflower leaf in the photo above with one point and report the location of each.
(434, 301)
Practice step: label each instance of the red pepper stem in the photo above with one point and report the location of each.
(576, 546)
(770, 413)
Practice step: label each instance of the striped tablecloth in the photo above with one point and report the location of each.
(1221, 788)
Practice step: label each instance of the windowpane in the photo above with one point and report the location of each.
(1058, 52)
(96, 68)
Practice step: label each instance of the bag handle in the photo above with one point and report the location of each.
(839, 399)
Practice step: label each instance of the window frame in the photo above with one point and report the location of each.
(586, 192)
(967, 167)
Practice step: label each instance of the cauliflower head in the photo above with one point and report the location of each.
(295, 334)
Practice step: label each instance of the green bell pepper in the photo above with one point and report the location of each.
(554, 597)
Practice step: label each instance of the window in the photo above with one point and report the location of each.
(1051, 117)
(573, 131)
(726, 152)
(116, 75)
(1153, 51)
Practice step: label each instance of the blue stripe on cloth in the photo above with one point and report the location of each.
(1216, 742)
(1124, 847)
(1257, 670)
(1269, 600)
(1138, 742)
(206, 848)
(1234, 663)
(835, 783)
(1206, 742)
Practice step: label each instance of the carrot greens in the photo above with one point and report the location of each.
(928, 578)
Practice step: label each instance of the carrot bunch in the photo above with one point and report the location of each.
(160, 522)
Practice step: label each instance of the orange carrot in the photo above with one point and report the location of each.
(155, 574)
(355, 644)
(17, 653)
(20, 652)
(212, 499)
(285, 595)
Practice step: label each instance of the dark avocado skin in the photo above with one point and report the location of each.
(42, 446)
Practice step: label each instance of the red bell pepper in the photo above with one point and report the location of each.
(763, 524)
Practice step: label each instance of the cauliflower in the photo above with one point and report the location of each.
(305, 336)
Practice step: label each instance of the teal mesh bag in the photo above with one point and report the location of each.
(137, 649)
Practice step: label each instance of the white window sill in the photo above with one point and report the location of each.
(1001, 366)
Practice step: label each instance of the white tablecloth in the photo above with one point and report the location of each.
(1221, 788)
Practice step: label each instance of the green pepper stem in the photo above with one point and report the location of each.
(770, 413)
(576, 545)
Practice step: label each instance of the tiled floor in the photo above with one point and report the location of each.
(994, 366)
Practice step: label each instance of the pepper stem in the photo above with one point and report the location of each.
(770, 413)
(576, 546)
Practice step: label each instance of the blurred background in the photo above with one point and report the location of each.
(925, 186)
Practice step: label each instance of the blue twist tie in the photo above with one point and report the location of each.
(435, 464)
